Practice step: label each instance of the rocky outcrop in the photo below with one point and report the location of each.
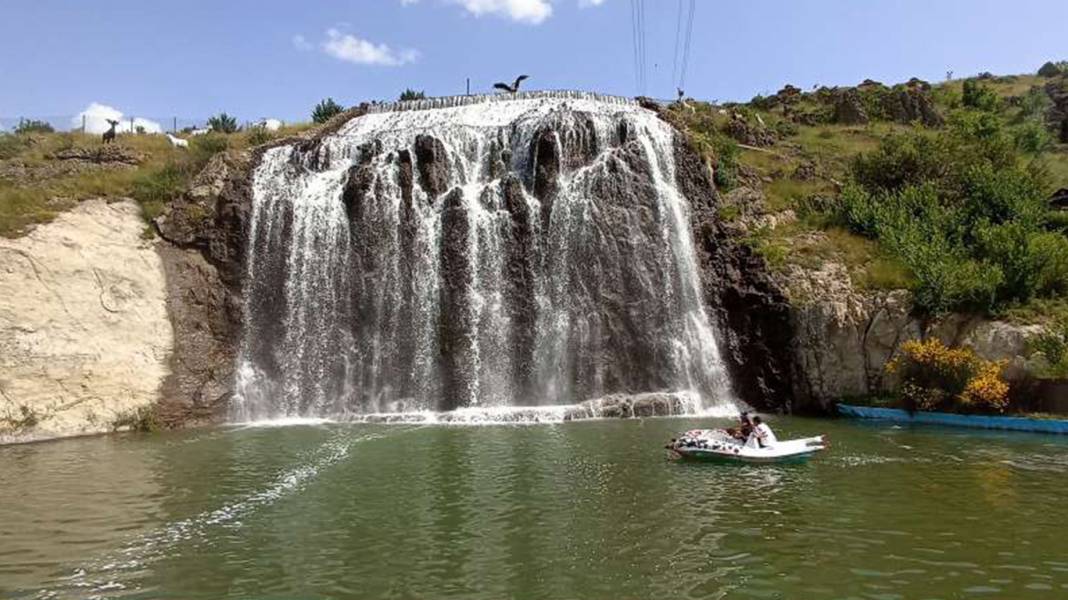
(911, 104)
(849, 108)
(844, 337)
(84, 332)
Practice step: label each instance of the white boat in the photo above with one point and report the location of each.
(718, 445)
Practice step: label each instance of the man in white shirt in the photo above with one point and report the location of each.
(764, 436)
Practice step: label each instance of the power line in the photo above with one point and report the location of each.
(675, 56)
(634, 40)
(686, 51)
(641, 37)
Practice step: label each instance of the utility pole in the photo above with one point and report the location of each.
(468, 86)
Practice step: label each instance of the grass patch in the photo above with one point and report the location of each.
(143, 419)
(164, 173)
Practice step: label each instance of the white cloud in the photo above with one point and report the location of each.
(588, 3)
(349, 48)
(523, 11)
(96, 117)
(301, 43)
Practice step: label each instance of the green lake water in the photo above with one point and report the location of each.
(578, 510)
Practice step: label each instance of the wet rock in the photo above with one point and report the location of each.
(432, 161)
(459, 311)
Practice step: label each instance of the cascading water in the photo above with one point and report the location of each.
(483, 252)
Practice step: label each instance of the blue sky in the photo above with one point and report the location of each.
(269, 58)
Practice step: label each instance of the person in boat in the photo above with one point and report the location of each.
(762, 436)
(744, 429)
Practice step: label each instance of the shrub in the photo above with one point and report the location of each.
(410, 94)
(11, 145)
(153, 189)
(223, 123)
(1032, 137)
(27, 126)
(259, 135)
(326, 110)
(143, 419)
(977, 95)
(936, 377)
(1053, 69)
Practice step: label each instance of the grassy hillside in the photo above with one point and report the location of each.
(942, 189)
(43, 173)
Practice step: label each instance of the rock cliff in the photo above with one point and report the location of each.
(84, 332)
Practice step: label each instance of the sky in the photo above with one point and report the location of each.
(275, 58)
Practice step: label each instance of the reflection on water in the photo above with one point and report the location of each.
(581, 510)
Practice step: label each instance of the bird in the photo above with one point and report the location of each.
(511, 88)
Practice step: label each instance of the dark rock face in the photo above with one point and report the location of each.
(205, 317)
(1057, 115)
(912, 104)
(458, 336)
(433, 164)
(753, 313)
(849, 109)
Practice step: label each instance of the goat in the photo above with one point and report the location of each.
(177, 142)
(109, 135)
(514, 88)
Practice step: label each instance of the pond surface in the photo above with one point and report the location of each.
(578, 510)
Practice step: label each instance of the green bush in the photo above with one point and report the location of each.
(977, 95)
(155, 188)
(725, 169)
(26, 126)
(223, 123)
(410, 94)
(1032, 137)
(259, 135)
(1053, 69)
(959, 212)
(326, 110)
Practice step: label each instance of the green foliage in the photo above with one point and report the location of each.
(259, 135)
(223, 123)
(11, 145)
(153, 189)
(1053, 69)
(326, 110)
(977, 95)
(1032, 137)
(725, 170)
(27, 126)
(143, 419)
(410, 94)
(1053, 344)
(958, 211)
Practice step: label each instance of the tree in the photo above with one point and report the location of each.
(326, 110)
(1053, 69)
(410, 94)
(223, 123)
(33, 126)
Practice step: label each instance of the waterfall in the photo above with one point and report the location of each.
(475, 252)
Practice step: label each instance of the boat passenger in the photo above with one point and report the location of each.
(762, 435)
(744, 429)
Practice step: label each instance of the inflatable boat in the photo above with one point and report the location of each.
(718, 445)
